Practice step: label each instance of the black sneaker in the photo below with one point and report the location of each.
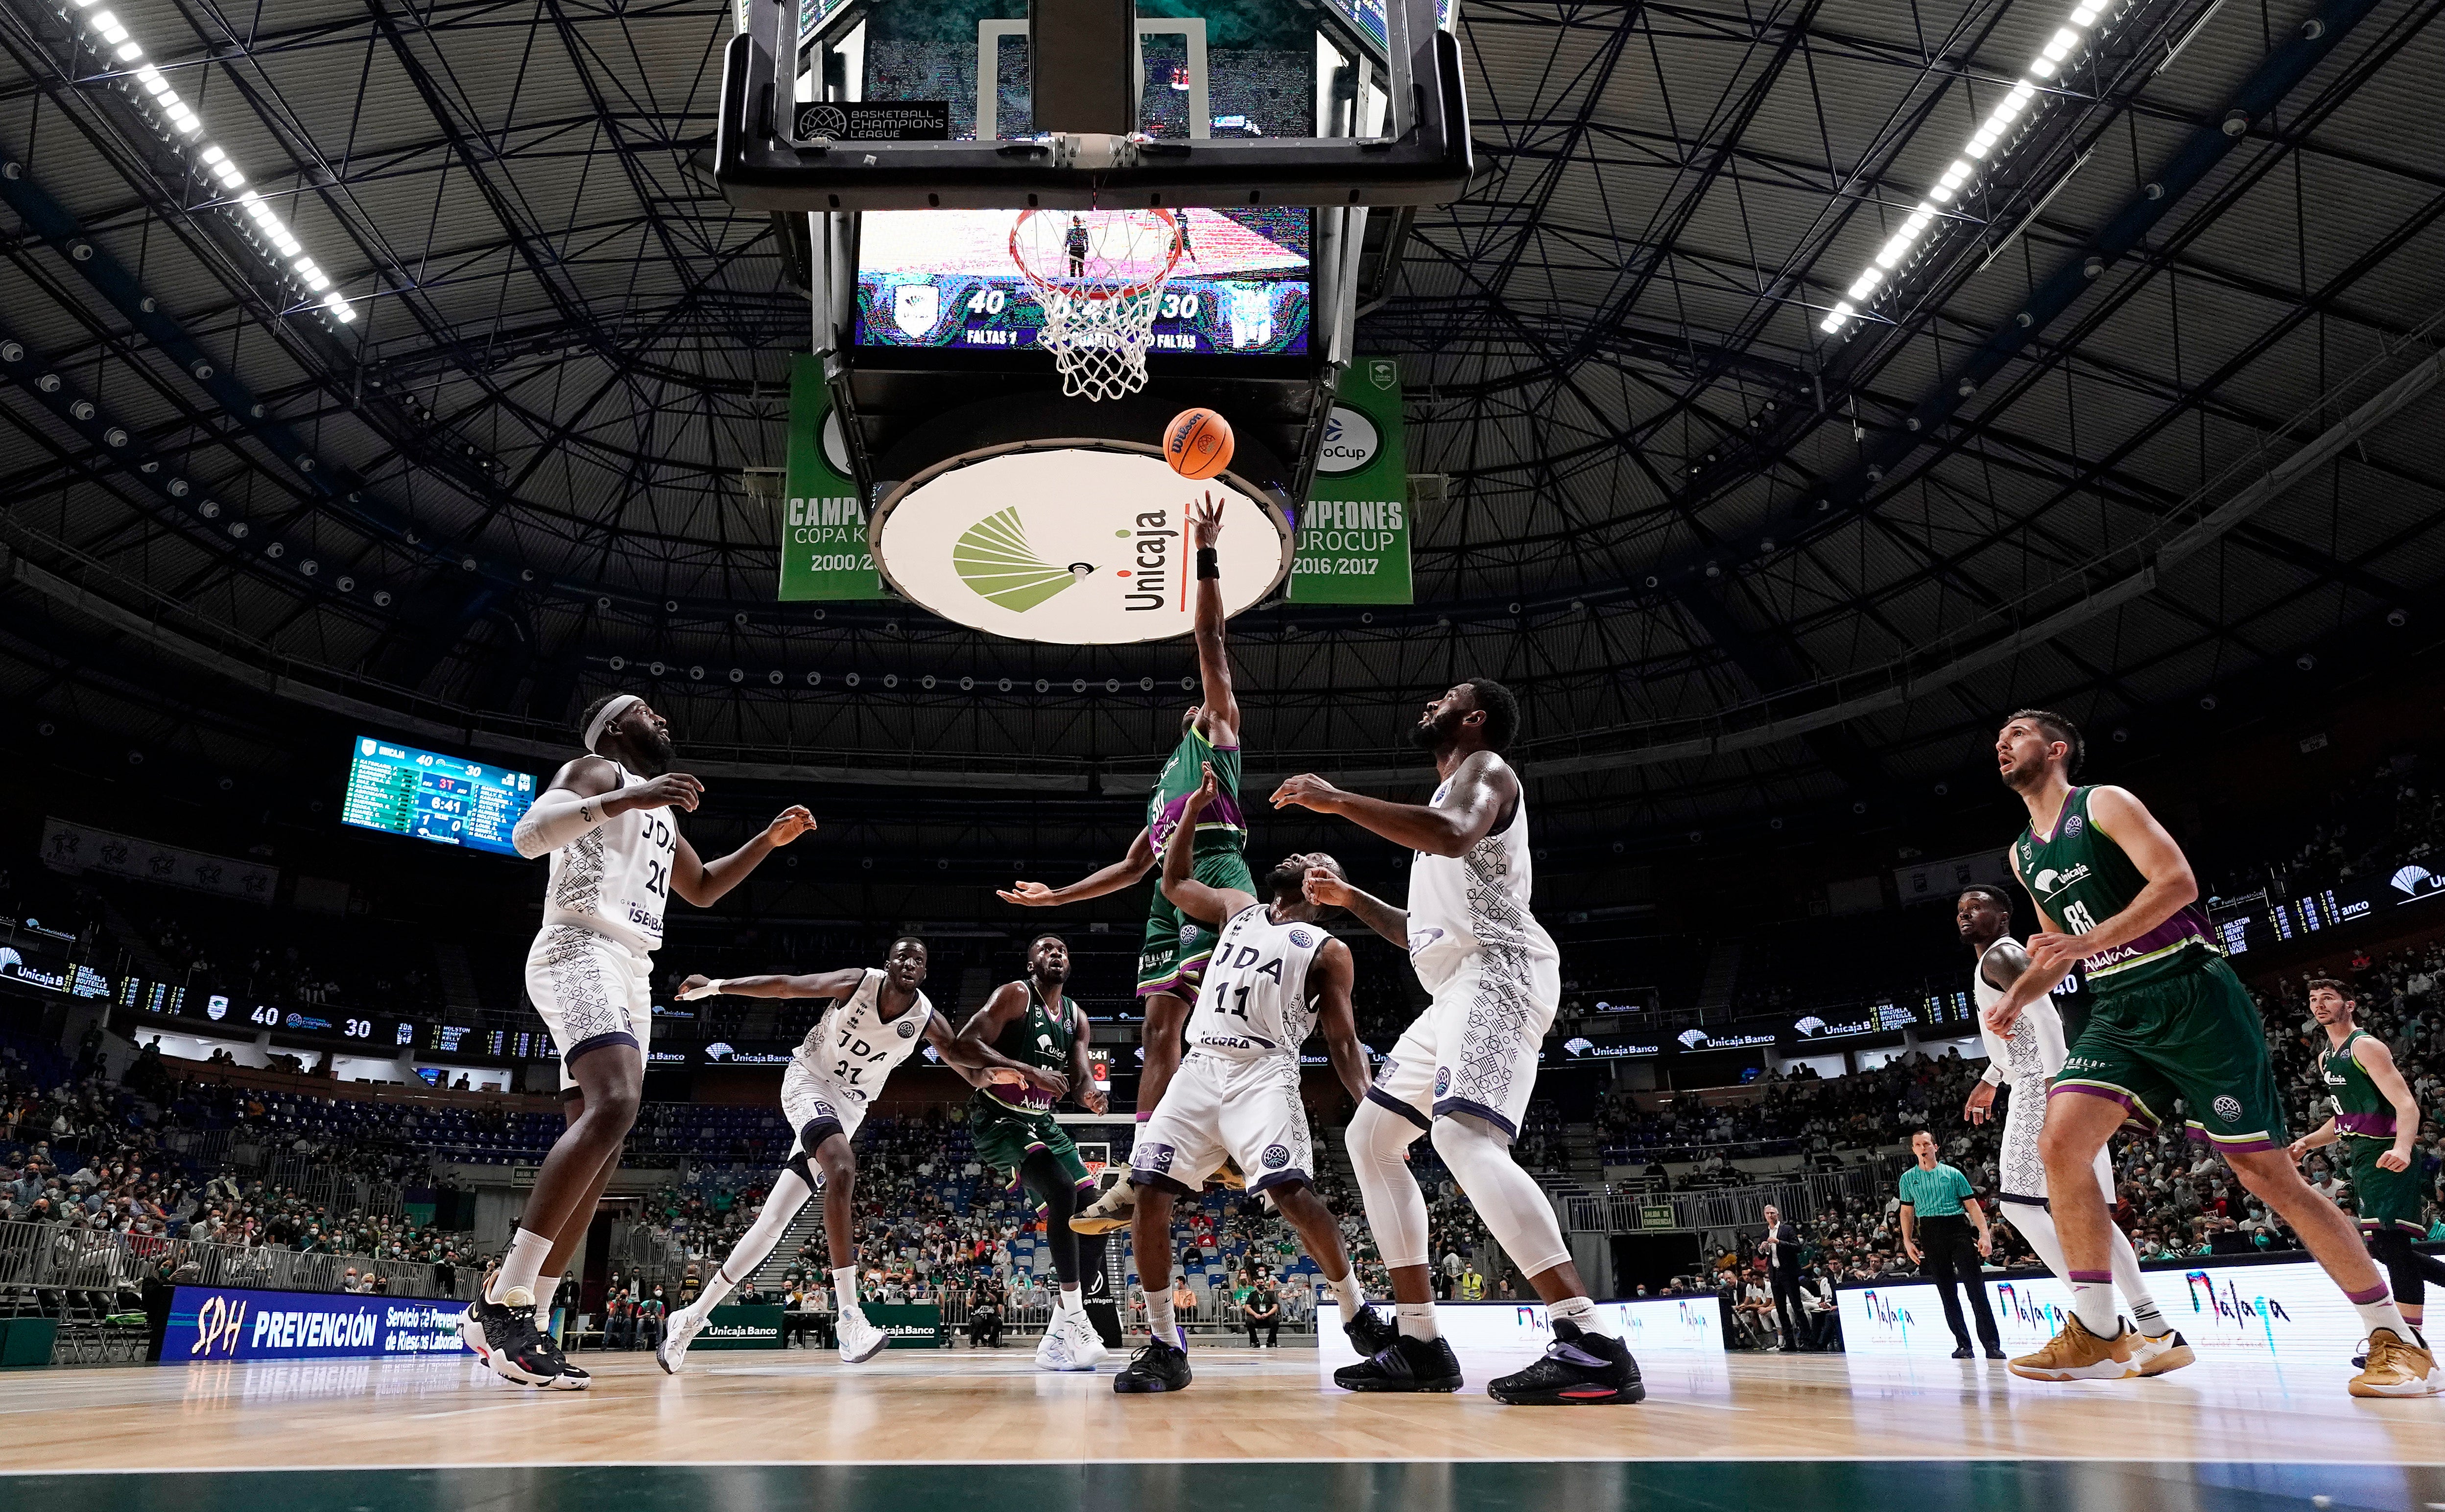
(1995, 1351)
(1371, 1333)
(1405, 1365)
(1579, 1369)
(1158, 1367)
(514, 1348)
(1964, 1352)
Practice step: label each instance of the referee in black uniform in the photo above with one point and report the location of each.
(1782, 1247)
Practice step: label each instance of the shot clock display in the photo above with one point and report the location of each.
(446, 799)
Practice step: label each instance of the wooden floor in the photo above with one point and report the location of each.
(1803, 1430)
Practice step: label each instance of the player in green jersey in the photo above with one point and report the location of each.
(1033, 1022)
(1171, 962)
(2376, 1120)
(2168, 1020)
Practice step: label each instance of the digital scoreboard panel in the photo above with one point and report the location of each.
(446, 799)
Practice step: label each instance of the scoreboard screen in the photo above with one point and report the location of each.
(449, 800)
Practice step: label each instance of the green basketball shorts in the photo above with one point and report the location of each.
(2195, 1037)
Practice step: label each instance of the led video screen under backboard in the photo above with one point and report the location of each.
(945, 279)
(447, 799)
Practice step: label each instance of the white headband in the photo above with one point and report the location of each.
(610, 711)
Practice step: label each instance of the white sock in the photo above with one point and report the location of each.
(714, 1289)
(514, 1286)
(1417, 1321)
(845, 1287)
(1578, 1311)
(2377, 1311)
(1159, 1316)
(1069, 1299)
(2092, 1301)
(1352, 1296)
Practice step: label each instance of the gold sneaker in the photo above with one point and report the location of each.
(1229, 1177)
(2077, 1355)
(2157, 1353)
(1108, 1213)
(2398, 1368)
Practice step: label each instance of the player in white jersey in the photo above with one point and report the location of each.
(1464, 1071)
(1276, 976)
(609, 821)
(2029, 1059)
(878, 1019)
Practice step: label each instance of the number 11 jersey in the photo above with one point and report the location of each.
(1254, 1005)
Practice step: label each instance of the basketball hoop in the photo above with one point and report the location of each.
(1098, 276)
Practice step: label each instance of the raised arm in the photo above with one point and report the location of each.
(822, 984)
(1219, 706)
(1326, 890)
(1482, 791)
(1180, 884)
(702, 882)
(962, 1053)
(1122, 873)
(1331, 977)
(586, 792)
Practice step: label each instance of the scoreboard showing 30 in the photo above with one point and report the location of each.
(446, 799)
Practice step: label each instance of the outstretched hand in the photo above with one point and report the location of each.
(1326, 890)
(1026, 894)
(789, 824)
(1307, 790)
(1205, 521)
(1203, 796)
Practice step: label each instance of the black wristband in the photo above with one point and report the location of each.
(1207, 564)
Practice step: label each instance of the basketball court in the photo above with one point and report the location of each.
(921, 1430)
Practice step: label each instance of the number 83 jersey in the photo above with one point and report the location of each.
(615, 878)
(1254, 1001)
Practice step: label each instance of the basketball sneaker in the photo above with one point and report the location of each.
(1580, 1369)
(1085, 1346)
(569, 1379)
(513, 1347)
(2396, 1367)
(1156, 1366)
(1403, 1365)
(1110, 1212)
(1229, 1176)
(2157, 1353)
(672, 1352)
(860, 1340)
(1371, 1333)
(2077, 1355)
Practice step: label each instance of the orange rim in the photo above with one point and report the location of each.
(1149, 284)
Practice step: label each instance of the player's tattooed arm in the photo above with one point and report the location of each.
(822, 984)
(1122, 873)
(962, 1053)
(1331, 977)
(1483, 789)
(1219, 707)
(1326, 890)
(1190, 896)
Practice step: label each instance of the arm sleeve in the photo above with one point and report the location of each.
(556, 818)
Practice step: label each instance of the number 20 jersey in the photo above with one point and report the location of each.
(614, 878)
(1254, 1005)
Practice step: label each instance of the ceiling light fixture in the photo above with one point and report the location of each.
(1993, 132)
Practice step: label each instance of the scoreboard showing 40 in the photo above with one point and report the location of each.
(446, 799)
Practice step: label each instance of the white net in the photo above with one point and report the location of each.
(1098, 276)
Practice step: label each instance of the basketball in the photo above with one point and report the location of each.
(1197, 443)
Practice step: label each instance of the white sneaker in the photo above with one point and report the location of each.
(672, 1352)
(2157, 1353)
(1071, 1343)
(1052, 1350)
(860, 1340)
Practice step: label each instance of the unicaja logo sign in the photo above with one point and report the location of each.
(1079, 545)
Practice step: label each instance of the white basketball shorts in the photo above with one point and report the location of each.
(1474, 1050)
(1213, 1107)
(817, 1109)
(591, 991)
